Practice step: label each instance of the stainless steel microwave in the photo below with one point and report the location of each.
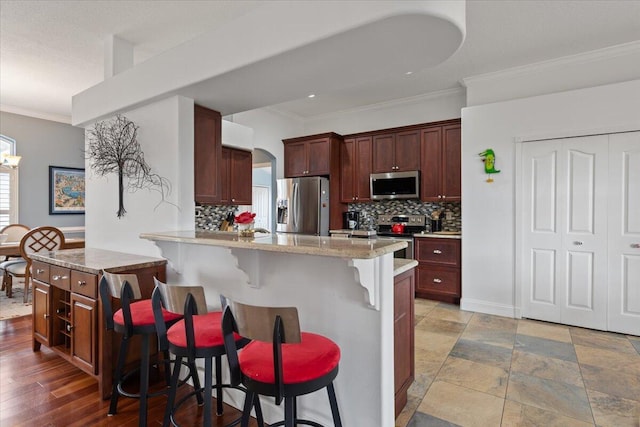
(395, 185)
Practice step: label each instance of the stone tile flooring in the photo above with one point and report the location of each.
(475, 369)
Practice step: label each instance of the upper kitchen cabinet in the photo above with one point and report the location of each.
(355, 168)
(236, 177)
(396, 152)
(207, 155)
(310, 155)
(441, 167)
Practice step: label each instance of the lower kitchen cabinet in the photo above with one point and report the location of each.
(66, 307)
(403, 325)
(438, 275)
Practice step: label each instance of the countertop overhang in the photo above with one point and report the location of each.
(92, 260)
(284, 243)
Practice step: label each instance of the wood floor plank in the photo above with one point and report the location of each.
(42, 389)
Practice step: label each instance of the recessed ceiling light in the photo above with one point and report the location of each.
(313, 95)
(408, 73)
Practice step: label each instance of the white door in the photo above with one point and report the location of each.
(564, 270)
(624, 233)
(261, 200)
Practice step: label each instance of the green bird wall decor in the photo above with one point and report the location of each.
(489, 159)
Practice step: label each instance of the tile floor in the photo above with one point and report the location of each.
(475, 369)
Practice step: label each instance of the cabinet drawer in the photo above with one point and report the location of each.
(40, 271)
(84, 283)
(59, 277)
(438, 280)
(439, 251)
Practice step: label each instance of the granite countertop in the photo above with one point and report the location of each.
(441, 235)
(400, 265)
(91, 260)
(284, 243)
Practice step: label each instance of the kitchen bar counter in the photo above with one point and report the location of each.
(285, 243)
(440, 235)
(343, 289)
(400, 265)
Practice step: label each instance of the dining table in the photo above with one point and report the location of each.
(12, 249)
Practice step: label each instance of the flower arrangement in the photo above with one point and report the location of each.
(245, 224)
(245, 218)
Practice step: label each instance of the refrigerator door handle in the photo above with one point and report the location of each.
(295, 209)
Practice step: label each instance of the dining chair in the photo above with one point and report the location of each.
(14, 233)
(45, 238)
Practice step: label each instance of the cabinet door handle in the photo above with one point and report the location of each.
(233, 200)
(436, 280)
(635, 245)
(577, 243)
(56, 277)
(439, 196)
(82, 283)
(444, 197)
(437, 251)
(39, 271)
(46, 316)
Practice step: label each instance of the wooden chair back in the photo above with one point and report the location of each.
(14, 232)
(115, 282)
(258, 322)
(173, 297)
(46, 238)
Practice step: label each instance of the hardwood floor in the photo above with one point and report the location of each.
(42, 389)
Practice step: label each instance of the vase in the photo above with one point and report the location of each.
(246, 230)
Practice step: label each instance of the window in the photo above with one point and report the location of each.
(8, 185)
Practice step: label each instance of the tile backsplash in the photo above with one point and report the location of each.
(369, 212)
(209, 217)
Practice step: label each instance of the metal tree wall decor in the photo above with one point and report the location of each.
(114, 148)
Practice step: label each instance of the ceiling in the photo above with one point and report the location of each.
(51, 50)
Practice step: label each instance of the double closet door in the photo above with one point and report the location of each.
(580, 227)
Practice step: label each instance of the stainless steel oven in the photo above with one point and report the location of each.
(406, 253)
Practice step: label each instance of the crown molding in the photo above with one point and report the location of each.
(537, 67)
(35, 114)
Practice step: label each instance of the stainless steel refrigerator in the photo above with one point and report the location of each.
(302, 206)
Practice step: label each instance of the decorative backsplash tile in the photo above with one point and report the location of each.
(209, 217)
(369, 212)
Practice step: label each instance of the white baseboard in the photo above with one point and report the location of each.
(486, 307)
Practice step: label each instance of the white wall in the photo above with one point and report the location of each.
(269, 129)
(166, 138)
(488, 210)
(442, 105)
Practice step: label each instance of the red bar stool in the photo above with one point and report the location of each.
(136, 317)
(197, 336)
(280, 361)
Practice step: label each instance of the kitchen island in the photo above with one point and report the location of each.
(343, 289)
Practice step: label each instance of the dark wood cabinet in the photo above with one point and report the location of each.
(235, 177)
(396, 152)
(317, 155)
(403, 314)
(207, 135)
(41, 313)
(309, 156)
(441, 158)
(66, 309)
(355, 168)
(438, 274)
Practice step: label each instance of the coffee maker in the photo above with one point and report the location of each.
(351, 220)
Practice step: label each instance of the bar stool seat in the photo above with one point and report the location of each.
(281, 361)
(197, 336)
(136, 317)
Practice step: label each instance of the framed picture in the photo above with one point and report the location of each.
(66, 190)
